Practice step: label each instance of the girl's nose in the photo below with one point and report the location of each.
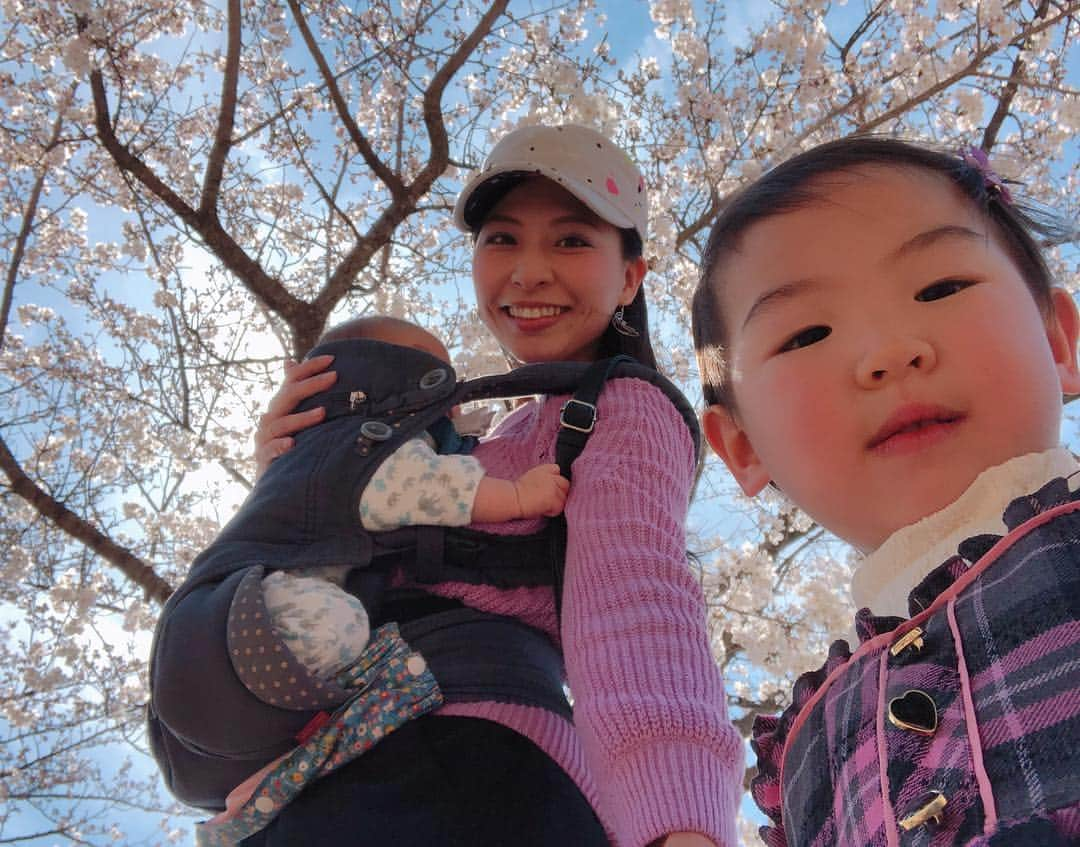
(893, 359)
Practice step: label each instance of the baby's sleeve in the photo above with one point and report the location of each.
(417, 486)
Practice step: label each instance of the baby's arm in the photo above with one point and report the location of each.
(539, 492)
(415, 485)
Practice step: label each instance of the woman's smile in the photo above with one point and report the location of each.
(534, 318)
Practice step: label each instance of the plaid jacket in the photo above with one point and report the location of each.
(960, 725)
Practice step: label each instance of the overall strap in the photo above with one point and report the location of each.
(577, 419)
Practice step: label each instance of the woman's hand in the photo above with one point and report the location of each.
(277, 425)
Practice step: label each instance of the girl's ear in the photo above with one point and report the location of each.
(1062, 330)
(731, 443)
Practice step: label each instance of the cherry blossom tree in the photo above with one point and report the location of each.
(192, 190)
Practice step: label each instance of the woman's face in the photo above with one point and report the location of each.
(549, 274)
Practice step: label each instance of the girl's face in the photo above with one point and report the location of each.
(884, 351)
(549, 274)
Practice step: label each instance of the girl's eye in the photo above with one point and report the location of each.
(498, 238)
(806, 337)
(572, 241)
(942, 289)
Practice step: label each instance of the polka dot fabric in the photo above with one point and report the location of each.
(389, 685)
(264, 663)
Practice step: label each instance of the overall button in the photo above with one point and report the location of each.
(912, 639)
(914, 711)
(929, 812)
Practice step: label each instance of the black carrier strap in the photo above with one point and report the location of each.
(576, 423)
(578, 416)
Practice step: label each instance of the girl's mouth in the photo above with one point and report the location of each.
(914, 427)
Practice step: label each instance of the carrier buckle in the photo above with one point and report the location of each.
(578, 423)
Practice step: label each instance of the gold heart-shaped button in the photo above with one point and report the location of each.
(914, 711)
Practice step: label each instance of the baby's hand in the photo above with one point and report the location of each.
(541, 491)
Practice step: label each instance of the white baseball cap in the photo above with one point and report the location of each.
(584, 162)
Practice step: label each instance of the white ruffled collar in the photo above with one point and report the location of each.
(883, 579)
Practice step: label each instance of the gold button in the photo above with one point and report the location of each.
(914, 711)
(415, 664)
(912, 638)
(928, 813)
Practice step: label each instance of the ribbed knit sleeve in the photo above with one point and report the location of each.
(648, 696)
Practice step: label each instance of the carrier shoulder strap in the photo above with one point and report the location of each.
(577, 418)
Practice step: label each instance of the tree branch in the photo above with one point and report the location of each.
(1012, 86)
(295, 312)
(23, 238)
(389, 178)
(382, 229)
(47, 506)
(976, 60)
(433, 116)
(215, 163)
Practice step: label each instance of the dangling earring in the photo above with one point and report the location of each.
(621, 326)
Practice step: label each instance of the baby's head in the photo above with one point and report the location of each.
(389, 330)
(875, 326)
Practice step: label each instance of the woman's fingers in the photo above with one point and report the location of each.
(302, 380)
(273, 425)
(268, 451)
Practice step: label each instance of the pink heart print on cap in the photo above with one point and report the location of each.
(611, 186)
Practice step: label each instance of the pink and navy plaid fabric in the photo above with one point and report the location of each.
(1000, 660)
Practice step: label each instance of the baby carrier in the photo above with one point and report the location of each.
(304, 513)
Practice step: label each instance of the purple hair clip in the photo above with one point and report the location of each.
(976, 158)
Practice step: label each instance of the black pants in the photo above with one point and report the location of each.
(441, 782)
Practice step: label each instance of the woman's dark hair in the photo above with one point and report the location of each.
(614, 343)
(796, 183)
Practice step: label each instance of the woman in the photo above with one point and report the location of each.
(558, 217)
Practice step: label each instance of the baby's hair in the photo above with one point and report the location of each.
(370, 326)
(386, 328)
(798, 182)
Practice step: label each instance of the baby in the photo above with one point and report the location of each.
(423, 481)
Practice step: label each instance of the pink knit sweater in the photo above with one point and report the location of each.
(651, 747)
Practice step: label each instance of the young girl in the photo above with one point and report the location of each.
(558, 218)
(879, 338)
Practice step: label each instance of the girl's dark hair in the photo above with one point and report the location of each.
(795, 184)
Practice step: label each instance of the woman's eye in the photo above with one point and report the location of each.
(942, 289)
(572, 241)
(806, 337)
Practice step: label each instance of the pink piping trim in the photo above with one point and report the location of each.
(946, 596)
(985, 791)
(892, 834)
